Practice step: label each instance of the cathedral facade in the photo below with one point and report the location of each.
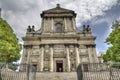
(58, 46)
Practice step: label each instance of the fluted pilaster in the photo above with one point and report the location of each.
(68, 59)
(65, 24)
(77, 56)
(52, 25)
(42, 58)
(51, 58)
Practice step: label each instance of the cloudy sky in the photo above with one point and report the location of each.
(99, 14)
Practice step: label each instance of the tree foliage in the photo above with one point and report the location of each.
(113, 52)
(9, 47)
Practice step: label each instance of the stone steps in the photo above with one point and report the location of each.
(56, 76)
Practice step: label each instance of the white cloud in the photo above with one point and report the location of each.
(22, 13)
(119, 18)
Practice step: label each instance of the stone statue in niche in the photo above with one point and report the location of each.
(46, 52)
(46, 66)
(72, 60)
(71, 50)
(72, 67)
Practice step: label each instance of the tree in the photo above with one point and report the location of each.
(9, 47)
(113, 52)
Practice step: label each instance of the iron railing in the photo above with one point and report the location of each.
(14, 71)
(99, 71)
(85, 71)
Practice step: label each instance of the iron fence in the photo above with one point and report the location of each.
(85, 71)
(99, 71)
(14, 71)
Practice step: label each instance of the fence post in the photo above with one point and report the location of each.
(28, 66)
(32, 72)
(110, 73)
(79, 72)
(0, 75)
(1, 65)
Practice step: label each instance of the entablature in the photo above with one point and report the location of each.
(58, 15)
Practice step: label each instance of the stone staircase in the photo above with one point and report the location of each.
(56, 76)
(12, 75)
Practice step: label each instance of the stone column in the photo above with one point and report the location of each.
(74, 24)
(68, 59)
(95, 54)
(44, 20)
(65, 24)
(42, 58)
(24, 59)
(51, 58)
(52, 25)
(77, 56)
(42, 25)
(28, 56)
(90, 54)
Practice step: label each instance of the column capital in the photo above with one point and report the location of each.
(90, 46)
(51, 45)
(66, 45)
(42, 45)
(27, 46)
(77, 45)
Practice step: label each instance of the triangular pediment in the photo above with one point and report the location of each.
(58, 10)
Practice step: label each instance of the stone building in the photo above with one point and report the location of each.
(58, 46)
(100, 57)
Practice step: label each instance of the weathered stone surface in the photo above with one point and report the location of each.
(58, 46)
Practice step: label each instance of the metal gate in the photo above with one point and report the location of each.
(99, 71)
(14, 71)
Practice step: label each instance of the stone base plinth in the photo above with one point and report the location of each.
(56, 76)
